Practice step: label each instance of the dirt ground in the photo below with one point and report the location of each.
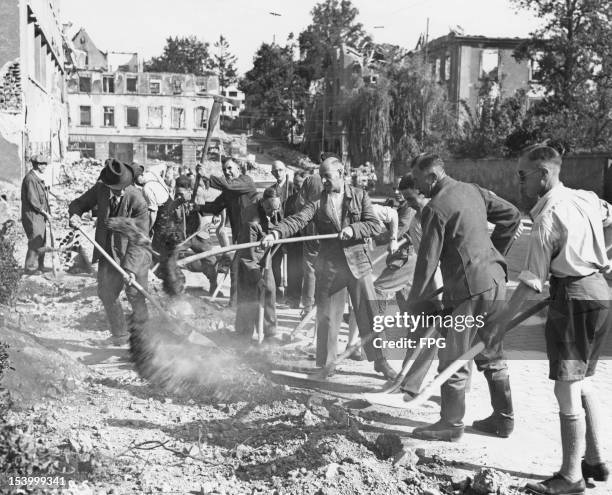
(123, 435)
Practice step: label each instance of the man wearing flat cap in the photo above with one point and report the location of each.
(114, 195)
(35, 213)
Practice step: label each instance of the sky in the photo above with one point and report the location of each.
(143, 25)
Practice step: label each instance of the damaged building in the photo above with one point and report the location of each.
(33, 110)
(117, 110)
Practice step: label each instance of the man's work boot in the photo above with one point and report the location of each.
(382, 366)
(598, 472)
(452, 409)
(501, 422)
(557, 485)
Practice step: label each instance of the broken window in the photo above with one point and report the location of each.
(447, 68)
(177, 86)
(201, 117)
(166, 152)
(438, 70)
(131, 83)
(155, 87)
(155, 117)
(535, 71)
(109, 116)
(178, 118)
(85, 84)
(131, 117)
(233, 93)
(108, 84)
(85, 115)
(489, 64)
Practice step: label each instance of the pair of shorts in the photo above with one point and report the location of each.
(577, 326)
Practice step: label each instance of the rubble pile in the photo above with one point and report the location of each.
(291, 157)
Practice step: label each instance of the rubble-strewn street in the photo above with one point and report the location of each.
(84, 407)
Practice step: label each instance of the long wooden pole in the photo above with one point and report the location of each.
(249, 245)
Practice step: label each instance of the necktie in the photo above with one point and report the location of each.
(114, 209)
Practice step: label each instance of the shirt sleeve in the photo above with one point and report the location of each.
(540, 251)
(606, 213)
(150, 198)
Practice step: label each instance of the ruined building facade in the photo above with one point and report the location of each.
(33, 110)
(116, 110)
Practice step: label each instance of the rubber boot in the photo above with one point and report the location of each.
(501, 422)
(452, 409)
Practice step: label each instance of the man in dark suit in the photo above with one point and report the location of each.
(35, 214)
(342, 263)
(238, 196)
(116, 196)
(253, 275)
(473, 269)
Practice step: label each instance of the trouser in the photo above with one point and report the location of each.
(110, 285)
(491, 361)
(294, 271)
(248, 300)
(37, 238)
(310, 254)
(333, 277)
(207, 266)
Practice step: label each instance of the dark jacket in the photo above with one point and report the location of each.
(455, 233)
(356, 211)
(283, 191)
(34, 201)
(254, 231)
(132, 205)
(239, 196)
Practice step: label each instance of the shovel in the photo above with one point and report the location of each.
(167, 317)
(409, 402)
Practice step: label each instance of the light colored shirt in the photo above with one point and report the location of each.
(567, 238)
(387, 216)
(154, 190)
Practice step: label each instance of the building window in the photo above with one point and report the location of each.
(438, 70)
(155, 87)
(535, 71)
(85, 84)
(177, 86)
(131, 83)
(489, 64)
(233, 93)
(447, 68)
(234, 108)
(201, 117)
(178, 118)
(165, 151)
(223, 108)
(87, 150)
(85, 112)
(155, 117)
(108, 84)
(131, 116)
(109, 116)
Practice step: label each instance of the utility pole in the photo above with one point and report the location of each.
(423, 109)
(323, 120)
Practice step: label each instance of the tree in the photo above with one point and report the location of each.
(575, 68)
(404, 113)
(186, 55)
(333, 24)
(493, 130)
(224, 63)
(274, 90)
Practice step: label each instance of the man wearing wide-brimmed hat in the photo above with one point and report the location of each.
(35, 213)
(114, 195)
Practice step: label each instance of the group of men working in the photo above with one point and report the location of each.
(459, 268)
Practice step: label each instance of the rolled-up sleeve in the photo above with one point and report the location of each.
(540, 251)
